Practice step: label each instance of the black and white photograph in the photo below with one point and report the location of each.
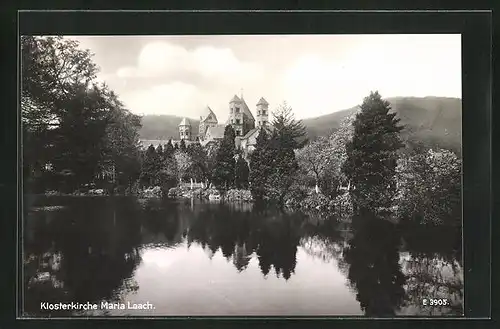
(241, 175)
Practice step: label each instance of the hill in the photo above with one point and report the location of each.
(163, 127)
(434, 121)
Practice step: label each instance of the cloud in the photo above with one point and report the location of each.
(394, 65)
(163, 59)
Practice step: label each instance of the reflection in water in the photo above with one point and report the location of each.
(192, 258)
(433, 268)
(374, 270)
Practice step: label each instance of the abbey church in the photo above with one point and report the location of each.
(245, 125)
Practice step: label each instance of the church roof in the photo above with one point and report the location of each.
(185, 122)
(207, 112)
(246, 110)
(235, 99)
(262, 101)
(216, 132)
(250, 133)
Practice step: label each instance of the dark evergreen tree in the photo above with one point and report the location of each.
(241, 173)
(148, 168)
(176, 146)
(198, 169)
(167, 170)
(159, 150)
(290, 132)
(169, 148)
(372, 154)
(278, 158)
(223, 172)
(260, 166)
(182, 145)
(283, 168)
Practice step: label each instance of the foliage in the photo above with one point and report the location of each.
(149, 166)
(272, 164)
(372, 153)
(283, 167)
(69, 120)
(182, 145)
(241, 173)
(291, 133)
(430, 187)
(184, 163)
(223, 171)
(169, 148)
(260, 166)
(167, 173)
(198, 169)
(121, 148)
(211, 150)
(316, 158)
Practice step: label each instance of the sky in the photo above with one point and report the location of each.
(314, 74)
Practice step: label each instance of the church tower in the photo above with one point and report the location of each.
(236, 115)
(240, 116)
(185, 129)
(262, 112)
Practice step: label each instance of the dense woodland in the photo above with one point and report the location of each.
(77, 133)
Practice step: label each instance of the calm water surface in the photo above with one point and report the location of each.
(190, 258)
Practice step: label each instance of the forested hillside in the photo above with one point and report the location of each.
(434, 121)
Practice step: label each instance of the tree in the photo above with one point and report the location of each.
(182, 145)
(211, 150)
(70, 120)
(429, 184)
(316, 158)
(184, 163)
(54, 70)
(121, 146)
(169, 148)
(198, 155)
(167, 174)
(223, 172)
(51, 67)
(372, 154)
(291, 133)
(287, 135)
(148, 168)
(260, 166)
(241, 173)
(79, 139)
(283, 167)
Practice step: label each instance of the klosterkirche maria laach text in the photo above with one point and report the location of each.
(245, 125)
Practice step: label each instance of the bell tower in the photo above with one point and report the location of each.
(262, 112)
(185, 129)
(236, 115)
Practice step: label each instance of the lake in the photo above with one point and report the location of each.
(195, 258)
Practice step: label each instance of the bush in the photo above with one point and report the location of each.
(151, 192)
(238, 195)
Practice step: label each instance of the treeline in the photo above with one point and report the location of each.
(381, 173)
(267, 172)
(75, 129)
(169, 164)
